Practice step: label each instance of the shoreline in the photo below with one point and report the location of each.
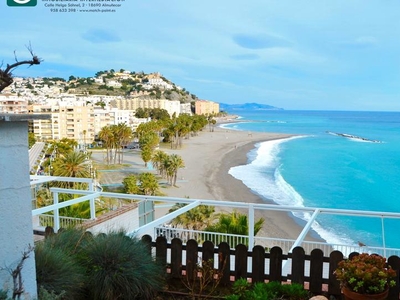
(221, 150)
(208, 157)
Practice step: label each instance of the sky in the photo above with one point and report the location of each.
(295, 55)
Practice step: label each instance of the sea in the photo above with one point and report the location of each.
(336, 159)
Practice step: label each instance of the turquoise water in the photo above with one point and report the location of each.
(321, 169)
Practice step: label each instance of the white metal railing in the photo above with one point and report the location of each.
(170, 232)
(65, 222)
(149, 228)
(200, 236)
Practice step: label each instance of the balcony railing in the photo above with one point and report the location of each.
(170, 232)
(155, 227)
(65, 222)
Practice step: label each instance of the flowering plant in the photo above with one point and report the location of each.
(366, 274)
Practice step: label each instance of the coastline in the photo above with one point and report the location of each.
(208, 159)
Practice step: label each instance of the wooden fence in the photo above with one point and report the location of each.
(307, 270)
(314, 271)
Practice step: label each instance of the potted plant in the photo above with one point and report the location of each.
(365, 276)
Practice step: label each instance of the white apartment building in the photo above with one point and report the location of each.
(113, 116)
(122, 116)
(102, 117)
(186, 108)
(127, 117)
(98, 80)
(159, 82)
(12, 104)
(93, 99)
(134, 103)
(67, 121)
(113, 83)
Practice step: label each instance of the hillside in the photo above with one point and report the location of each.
(126, 83)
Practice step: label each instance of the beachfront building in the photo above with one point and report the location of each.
(80, 121)
(45, 129)
(122, 116)
(171, 106)
(113, 116)
(205, 107)
(67, 121)
(186, 108)
(102, 117)
(13, 104)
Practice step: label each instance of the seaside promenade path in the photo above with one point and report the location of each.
(34, 153)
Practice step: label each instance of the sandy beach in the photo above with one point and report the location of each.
(208, 158)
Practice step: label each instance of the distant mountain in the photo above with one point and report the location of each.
(247, 106)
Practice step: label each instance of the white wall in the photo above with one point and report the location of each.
(16, 233)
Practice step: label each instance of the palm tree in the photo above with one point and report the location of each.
(148, 142)
(146, 155)
(63, 146)
(157, 159)
(43, 197)
(148, 184)
(196, 219)
(234, 223)
(106, 135)
(124, 136)
(130, 184)
(73, 164)
(175, 163)
(84, 138)
(165, 169)
(79, 210)
(114, 143)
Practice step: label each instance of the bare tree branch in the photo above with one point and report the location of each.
(6, 77)
(16, 274)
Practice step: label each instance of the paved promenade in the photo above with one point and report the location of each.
(34, 153)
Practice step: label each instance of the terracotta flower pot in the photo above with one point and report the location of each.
(350, 295)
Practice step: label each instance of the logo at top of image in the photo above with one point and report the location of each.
(21, 2)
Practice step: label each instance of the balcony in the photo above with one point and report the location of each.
(156, 226)
(303, 260)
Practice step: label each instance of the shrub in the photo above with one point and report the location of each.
(57, 271)
(366, 273)
(70, 240)
(241, 287)
(3, 295)
(75, 265)
(271, 290)
(119, 267)
(46, 295)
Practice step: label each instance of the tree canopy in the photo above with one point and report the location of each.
(115, 138)
(142, 184)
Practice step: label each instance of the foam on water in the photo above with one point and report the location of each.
(262, 175)
(258, 175)
(327, 171)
